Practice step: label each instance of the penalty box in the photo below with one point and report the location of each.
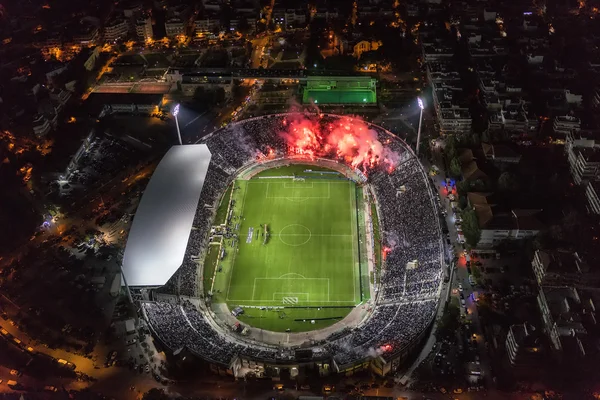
(295, 189)
(291, 290)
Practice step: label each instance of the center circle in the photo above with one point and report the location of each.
(295, 235)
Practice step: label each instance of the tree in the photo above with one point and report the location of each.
(236, 90)
(485, 136)
(478, 186)
(219, 96)
(243, 26)
(450, 147)
(340, 63)
(507, 182)
(455, 170)
(209, 98)
(426, 149)
(463, 187)
(476, 273)
(470, 227)
(156, 394)
(449, 322)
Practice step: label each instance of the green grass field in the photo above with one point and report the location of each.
(309, 259)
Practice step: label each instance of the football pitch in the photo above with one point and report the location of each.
(297, 250)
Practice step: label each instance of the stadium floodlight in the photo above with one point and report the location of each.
(175, 113)
(422, 107)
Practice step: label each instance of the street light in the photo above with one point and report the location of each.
(422, 107)
(175, 113)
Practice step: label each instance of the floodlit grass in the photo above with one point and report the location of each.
(281, 319)
(222, 210)
(210, 263)
(377, 237)
(310, 258)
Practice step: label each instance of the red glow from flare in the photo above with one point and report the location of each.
(385, 252)
(350, 138)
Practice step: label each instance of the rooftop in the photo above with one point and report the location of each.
(589, 154)
(499, 151)
(163, 221)
(561, 261)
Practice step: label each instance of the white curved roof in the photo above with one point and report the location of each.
(159, 234)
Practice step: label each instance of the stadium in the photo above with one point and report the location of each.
(285, 244)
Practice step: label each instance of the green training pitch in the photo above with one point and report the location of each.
(297, 249)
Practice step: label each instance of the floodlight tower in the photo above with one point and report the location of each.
(175, 113)
(422, 107)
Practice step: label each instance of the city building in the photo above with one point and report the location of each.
(143, 28)
(564, 124)
(131, 8)
(524, 348)
(563, 267)
(500, 154)
(583, 155)
(211, 5)
(205, 26)
(86, 34)
(451, 109)
(592, 195)
(115, 29)
(126, 103)
(436, 52)
(569, 316)
(498, 224)
(174, 26)
(294, 18)
(40, 125)
(508, 118)
(364, 46)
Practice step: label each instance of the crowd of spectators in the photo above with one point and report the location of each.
(391, 328)
(183, 326)
(410, 232)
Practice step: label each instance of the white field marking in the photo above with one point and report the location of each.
(321, 182)
(236, 250)
(288, 293)
(279, 296)
(344, 303)
(303, 197)
(296, 185)
(314, 234)
(295, 199)
(292, 274)
(352, 229)
(307, 235)
(320, 279)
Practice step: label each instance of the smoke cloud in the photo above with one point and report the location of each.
(349, 138)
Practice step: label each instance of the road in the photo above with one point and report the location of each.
(461, 275)
(259, 45)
